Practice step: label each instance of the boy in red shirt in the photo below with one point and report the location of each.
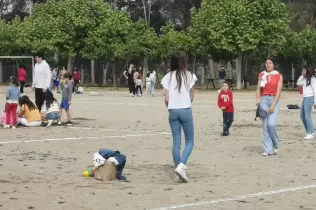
(225, 103)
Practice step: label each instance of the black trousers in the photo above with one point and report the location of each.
(139, 88)
(131, 86)
(39, 98)
(22, 83)
(228, 118)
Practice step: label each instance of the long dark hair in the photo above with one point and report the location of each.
(49, 98)
(26, 100)
(14, 81)
(178, 65)
(309, 75)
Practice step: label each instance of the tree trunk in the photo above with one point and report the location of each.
(114, 75)
(238, 70)
(211, 64)
(194, 65)
(92, 72)
(105, 71)
(71, 60)
(56, 57)
(245, 73)
(145, 69)
(1, 77)
(203, 74)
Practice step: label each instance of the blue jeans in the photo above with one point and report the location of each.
(53, 116)
(152, 86)
(184, 118)
(306, 114)
(269, 124)
(228, 118)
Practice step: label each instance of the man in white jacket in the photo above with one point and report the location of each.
(41, 80)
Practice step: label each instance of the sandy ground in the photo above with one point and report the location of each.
(36, 174)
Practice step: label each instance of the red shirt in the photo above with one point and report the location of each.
(76, 75)
(22, 74)
(225, 99)
(272, 84)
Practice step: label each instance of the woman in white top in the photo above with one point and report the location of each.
(179, 93)
(153, 77)
(308, 81)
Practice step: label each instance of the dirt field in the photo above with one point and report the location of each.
(41, 168)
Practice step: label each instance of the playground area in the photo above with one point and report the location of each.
(41, 168)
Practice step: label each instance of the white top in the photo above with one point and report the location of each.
(153, 75)
(310, 90)
(182, 99)
(148, 80)
(53, 108)
(42, 75)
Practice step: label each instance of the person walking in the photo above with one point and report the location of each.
(41, 80)
(179, 94)
(268, 92)
(308, 81)
(129, 75)
(22, 77)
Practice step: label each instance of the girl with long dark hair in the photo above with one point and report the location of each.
(308, 81)
(30, 111)
(50, 109)
(269, 88)
(179, 94)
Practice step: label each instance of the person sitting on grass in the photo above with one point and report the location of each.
(50, 109)
(66, 97)
(29, 115)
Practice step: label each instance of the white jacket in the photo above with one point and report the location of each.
(53, 108)
(310, 90)
(42, 75)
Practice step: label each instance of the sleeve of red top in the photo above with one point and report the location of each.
(219, 102)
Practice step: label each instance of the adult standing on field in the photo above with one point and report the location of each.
(41, 80)
(22, 77)
(269, 88)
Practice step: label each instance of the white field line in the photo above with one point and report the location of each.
(118, 130)
(80, 138)
(237, 198)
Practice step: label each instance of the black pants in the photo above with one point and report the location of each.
(131, 86)
(39, 98)
(22, 83)
(139, 88)
(228, 118)
(75, 88)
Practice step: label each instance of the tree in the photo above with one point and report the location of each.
(241, 26)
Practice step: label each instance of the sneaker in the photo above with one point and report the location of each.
(176, 178)
(59, 122)
(6, 126)
(275, 150)
(69, 123)
(308, 136)
(266, 154)
(50, 122)
(225, 134)
(13, 127)
(181, 172)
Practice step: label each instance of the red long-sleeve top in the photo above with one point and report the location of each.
(225, 99)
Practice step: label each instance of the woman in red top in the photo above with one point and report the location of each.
(269, 89)
(76, 76)
(22, 77)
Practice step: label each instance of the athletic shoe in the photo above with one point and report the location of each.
(13, 127)
(50, 122)
(69, 123)
(6, 126)
(225, 134)
(59, 122)
(267, 154)
(181, 172)
(276, 150)
(176, 178)
(308, 136)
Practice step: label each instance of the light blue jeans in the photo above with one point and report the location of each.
(269, 124)
(181, 118)
(152, 86)
(306, 114)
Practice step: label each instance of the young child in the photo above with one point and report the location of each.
(66, 96)
(138, 86)
(50, 109)
(225, 103)
(13, 95)
(148, 84)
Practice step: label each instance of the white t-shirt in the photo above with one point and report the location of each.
(153, 75)
(182, 99)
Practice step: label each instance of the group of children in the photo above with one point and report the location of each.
(30, 115)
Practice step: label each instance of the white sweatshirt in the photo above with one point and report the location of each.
(53, 108)
(42, 75)
(309, 90)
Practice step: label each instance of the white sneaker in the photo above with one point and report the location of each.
(181, 172)
(176, 178)
(13, 127)
(50, 122)
(308, 136)
(6, 126)
(266, 154)
(59, 122)
(276, 150)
